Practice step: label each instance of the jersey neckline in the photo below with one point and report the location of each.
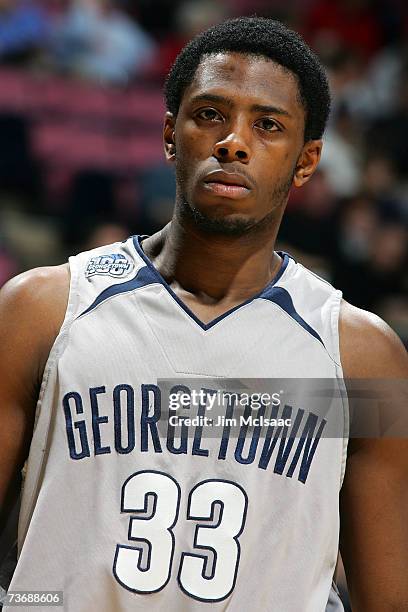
(206, 326)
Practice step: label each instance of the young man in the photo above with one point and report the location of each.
(121, 513)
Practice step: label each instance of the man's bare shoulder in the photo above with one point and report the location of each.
(369, 348)
(39, 287)
(32, 308)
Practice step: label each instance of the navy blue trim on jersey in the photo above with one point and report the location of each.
(281, 297)
(143, 277)
(206, 326)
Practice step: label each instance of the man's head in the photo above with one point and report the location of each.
(246, 98)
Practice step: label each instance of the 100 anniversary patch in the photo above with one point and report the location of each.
(114, 264)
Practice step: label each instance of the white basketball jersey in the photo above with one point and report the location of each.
(123, 512)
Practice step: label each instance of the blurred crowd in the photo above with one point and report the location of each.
(80, 121)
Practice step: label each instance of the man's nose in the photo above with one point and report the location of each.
(233, 147)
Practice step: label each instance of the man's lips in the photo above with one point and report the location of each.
(227, 184)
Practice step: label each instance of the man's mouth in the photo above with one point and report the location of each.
(226, 184)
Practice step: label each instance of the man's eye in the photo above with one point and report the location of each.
(267, 124)
(209, 114)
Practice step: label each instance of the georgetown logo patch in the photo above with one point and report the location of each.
(115, 265)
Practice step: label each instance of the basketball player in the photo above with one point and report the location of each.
(121, 516)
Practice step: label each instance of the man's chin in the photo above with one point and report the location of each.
(225, 225)
(234, 225)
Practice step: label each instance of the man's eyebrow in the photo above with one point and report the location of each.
(257, 108)
(272, 110)
(207, 97)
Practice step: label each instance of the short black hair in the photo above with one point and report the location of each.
(260, 37)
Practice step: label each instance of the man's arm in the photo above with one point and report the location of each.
(32, 309)
(374, 496)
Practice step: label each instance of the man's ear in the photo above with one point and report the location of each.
(169, 136)
(307, 162)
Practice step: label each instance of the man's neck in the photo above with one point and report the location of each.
(213, 268)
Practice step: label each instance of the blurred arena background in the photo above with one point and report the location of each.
(81, 110)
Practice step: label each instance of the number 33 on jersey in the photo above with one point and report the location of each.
(217, 539)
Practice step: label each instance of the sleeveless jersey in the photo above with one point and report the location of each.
(123, 511)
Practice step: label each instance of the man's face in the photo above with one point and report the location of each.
(238, 139)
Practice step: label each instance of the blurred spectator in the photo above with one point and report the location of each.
(105, 233)
(341, 155)
(366, 91)
(355, 23)
(307, 226)
(380, 180)
(91, 202)
(356, 230)
(19, 171)
(190, 18)
(389, 134)
(356, 87)
(157, 193)
(55, 8)
(371, 259)
(390, 252)
(157, 18)
(24, 29)
(383, 77)
(97, 41)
